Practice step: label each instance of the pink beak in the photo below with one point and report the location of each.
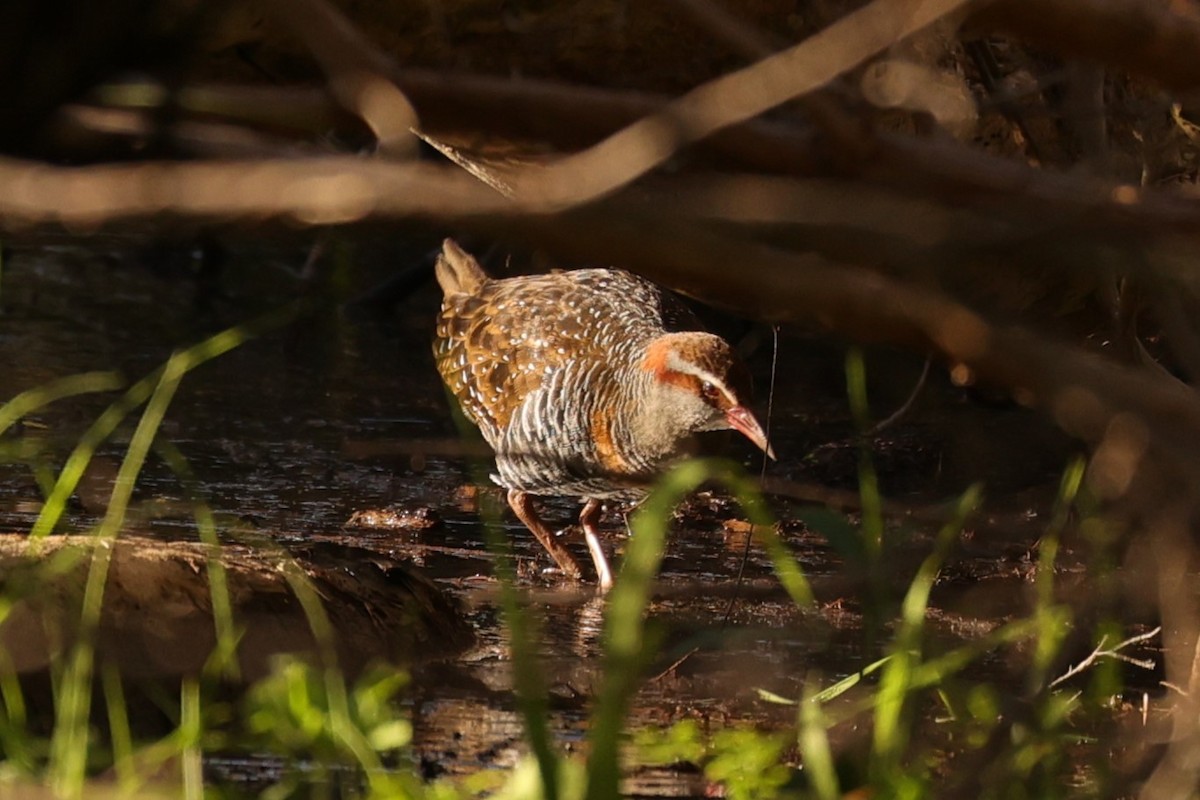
(742, 420)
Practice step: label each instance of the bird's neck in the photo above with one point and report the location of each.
(650, 437)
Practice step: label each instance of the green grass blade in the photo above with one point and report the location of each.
(527, 672)
(889, 735)
(341, 721)
(830, 692)
(787, 569)
(70, 742)
(118, 728)
(937, 670)
(868, 481)
(529, 685)
(190, 731)
(70, 386)
(1053, 620)
(71, 739)
(16, 740)
(99, 431)
(107, 422)
(224, 660)
(813, 740)
(848, 682)
(624, 630)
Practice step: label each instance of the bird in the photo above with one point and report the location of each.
(586, 383)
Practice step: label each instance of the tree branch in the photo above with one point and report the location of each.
(357, 71)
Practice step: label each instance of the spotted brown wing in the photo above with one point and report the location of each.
(496, 347)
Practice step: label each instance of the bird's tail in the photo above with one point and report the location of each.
(457, 270)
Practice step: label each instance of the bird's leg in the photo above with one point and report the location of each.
(522, 506)
(587, 520)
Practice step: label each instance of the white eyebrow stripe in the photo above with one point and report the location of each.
(677, 364)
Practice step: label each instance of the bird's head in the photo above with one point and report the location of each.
(702, 385)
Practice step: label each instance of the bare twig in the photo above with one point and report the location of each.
(312, 191)
(883, 424)
(357, 71)
(1110, 652)
(305, 110)
(83, 129)
(756, 44)
(568, 115)
(728, 100)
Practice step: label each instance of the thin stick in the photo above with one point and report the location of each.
(728, 100)
(1114, 652)
(903, 409)
(357, 72)
(736, 595)
(762, 474)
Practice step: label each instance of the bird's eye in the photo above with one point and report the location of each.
(708, 391)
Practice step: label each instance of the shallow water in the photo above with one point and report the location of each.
(293, 433)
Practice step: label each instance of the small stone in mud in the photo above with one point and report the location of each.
(737, 526)
(467, 496)
(411, 519)
(736, 532)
